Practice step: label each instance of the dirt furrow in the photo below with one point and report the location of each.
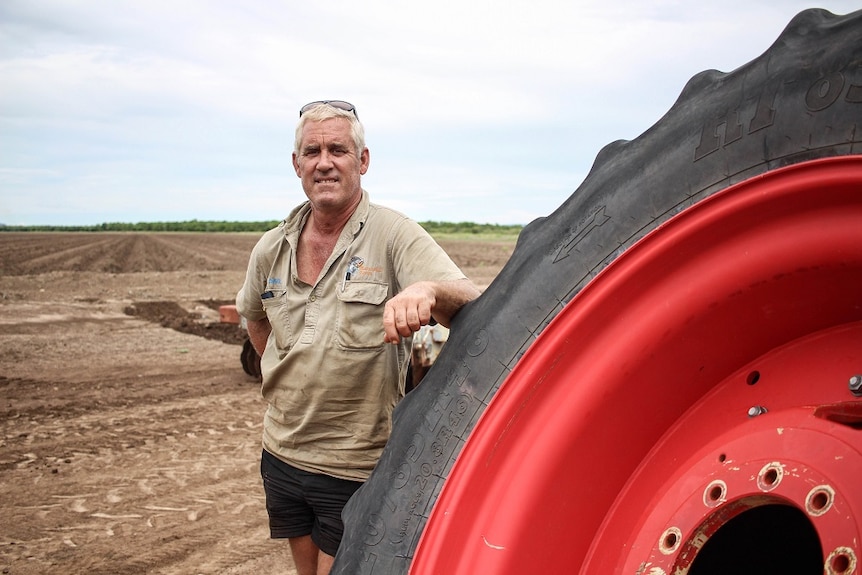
(53, 253)
(210, 251)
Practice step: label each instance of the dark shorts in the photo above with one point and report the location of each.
(300, 503)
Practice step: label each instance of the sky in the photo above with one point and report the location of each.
(474, 110)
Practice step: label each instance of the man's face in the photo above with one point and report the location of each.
(328, 164)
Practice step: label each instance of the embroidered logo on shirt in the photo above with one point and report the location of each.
(352, 267)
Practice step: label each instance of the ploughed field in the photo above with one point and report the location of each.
(130, 433)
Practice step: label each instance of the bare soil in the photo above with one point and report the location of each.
(130, 433)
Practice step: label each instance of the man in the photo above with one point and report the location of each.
(332, 296)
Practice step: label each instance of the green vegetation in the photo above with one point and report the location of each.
(470, 230)
(452, 230)
(187, 226)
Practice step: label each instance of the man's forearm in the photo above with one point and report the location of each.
(451, 296)
(258, 333)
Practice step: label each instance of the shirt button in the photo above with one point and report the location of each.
(312, 298)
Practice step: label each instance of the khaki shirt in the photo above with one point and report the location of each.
(330, 381)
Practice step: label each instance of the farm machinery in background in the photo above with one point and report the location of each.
(249, 359)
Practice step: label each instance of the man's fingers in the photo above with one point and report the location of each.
(401, 318)
(395, 323)
(391, 332)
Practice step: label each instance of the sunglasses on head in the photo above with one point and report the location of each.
(340, 104)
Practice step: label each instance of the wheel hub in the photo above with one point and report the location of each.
(800, 450)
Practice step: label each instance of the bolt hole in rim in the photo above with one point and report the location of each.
(670, 540)
(770, 477)
(715, 493)
(767, 260)
(819, 500)
(841, 561)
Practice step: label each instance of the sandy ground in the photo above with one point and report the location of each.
(130, 433)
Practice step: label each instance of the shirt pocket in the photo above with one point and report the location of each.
(277, 312)
(360, 315)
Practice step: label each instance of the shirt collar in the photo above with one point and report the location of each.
(293, 223)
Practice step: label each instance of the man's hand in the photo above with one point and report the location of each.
(408, 311)
(413, 307)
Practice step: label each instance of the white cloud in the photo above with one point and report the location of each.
(484, 111)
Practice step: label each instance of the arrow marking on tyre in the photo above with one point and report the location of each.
(598, 218)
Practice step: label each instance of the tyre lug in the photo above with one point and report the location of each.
(855, 385)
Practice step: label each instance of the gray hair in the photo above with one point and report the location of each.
(323, 112)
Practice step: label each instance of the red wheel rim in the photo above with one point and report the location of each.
(622, 440)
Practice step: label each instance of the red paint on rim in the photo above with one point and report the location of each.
(612, 445)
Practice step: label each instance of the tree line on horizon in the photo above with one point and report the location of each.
(432, 227)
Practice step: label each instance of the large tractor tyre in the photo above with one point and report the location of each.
(665, 377)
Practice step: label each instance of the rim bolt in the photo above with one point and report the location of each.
(756, 410)
(855, 385)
